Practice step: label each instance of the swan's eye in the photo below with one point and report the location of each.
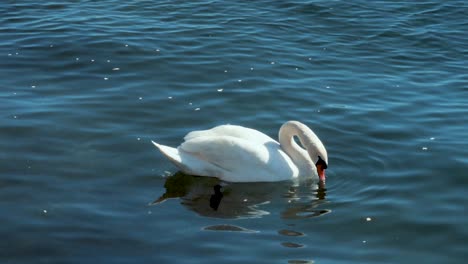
(320, 161)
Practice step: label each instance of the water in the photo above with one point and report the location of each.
(85, 86)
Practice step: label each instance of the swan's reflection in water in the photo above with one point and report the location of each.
(211, 197)
(309, 207)
(216, 198)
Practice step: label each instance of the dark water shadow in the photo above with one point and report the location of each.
(211, 197)
(306, 201)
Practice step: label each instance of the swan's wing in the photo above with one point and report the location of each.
(240, 132)
(236, 158)
(226, 152)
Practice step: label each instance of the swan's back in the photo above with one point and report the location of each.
(233, 131)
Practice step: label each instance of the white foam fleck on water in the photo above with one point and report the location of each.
(424, 148)
(251, 69)
(77, 59)
(272, 62)
(197, 109)
(239, 80)
(432, 138)
(368, 219)
(44, 211)
(108, 61)
(33, 86)
(105, 78)
(140, 98)
(190, 103)
(92, 60)
(116, 69)
(169, 97)
(219, 90)
(138, 139)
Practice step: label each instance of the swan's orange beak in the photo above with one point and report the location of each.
(321, 172)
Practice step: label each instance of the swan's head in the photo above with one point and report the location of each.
(321, 166)
(318, 155)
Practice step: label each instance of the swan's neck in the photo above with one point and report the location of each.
(299, 155)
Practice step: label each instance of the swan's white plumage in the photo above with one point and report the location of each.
(249, 134)
(233, 153)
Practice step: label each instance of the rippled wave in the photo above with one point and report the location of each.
(85, 86)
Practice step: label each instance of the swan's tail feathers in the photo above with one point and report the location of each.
(171, 153)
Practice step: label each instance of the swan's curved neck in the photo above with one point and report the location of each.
(300, 156)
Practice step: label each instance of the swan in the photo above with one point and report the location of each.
(239, 154)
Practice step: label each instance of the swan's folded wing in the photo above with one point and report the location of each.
(240, 132)
(227, 152)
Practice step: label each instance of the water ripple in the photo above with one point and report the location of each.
(86, 85)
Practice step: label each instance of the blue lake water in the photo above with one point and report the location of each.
(85, 86)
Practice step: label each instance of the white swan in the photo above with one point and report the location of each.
(240, 154)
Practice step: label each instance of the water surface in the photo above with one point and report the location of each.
(85, 86)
